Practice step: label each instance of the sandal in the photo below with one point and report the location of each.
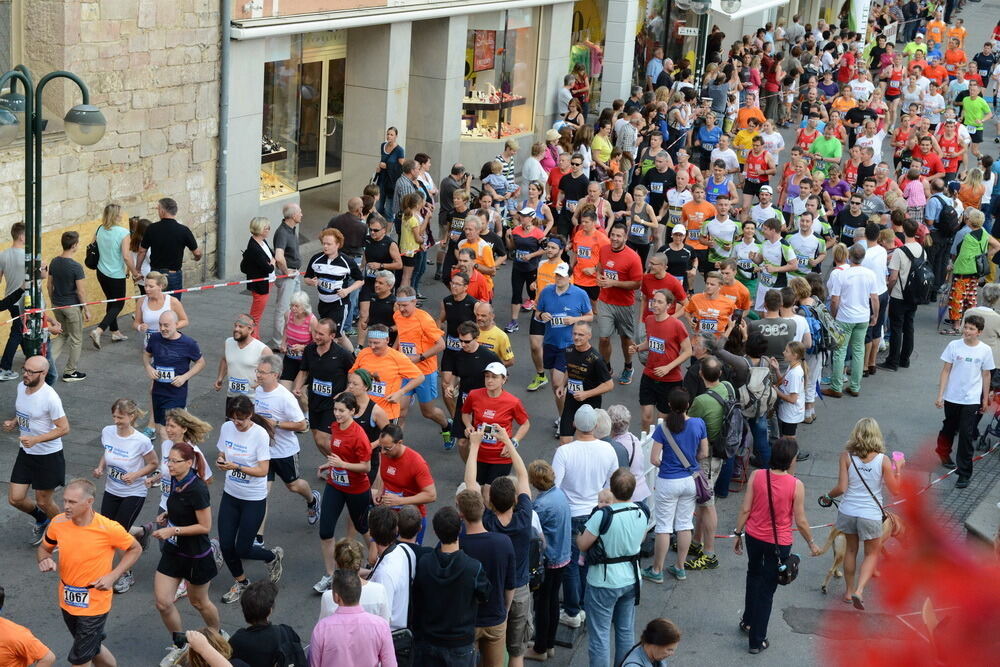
(763, 647)
(858, 603)
(744, 628)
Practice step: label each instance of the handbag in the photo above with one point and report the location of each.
(702, 487)
(868, 488)
(93, 255)
(788, 568)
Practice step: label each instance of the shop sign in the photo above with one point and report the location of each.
(484, 54)
(685, 31)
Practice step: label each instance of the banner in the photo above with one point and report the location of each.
(858, 18)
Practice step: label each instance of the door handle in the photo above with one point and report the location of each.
(331, 132)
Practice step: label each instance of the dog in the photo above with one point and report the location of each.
(892, 527)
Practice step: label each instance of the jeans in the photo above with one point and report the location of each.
(353, 311)
(901, 332)
(238, 524)
(607, 608)
(283, 291)
(855, 341)
(575, 578)
(762, 580)
(113, 288)
(71, 320)
(13, 340)
(961, 419)
(419, 269)
(761, 445)
(721, 486)
(175, 280)
(547, 609)
(937, 255)
(444, 656)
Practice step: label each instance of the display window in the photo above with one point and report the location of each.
(500, 68)
(279, 147)
(586, 55)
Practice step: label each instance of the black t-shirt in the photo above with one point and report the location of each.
(327, 374)
(166, 240)
(380, 312)
(984, 63)
(777, 331)
(865, 172)
(257, 645)
(678, 261)
(846, 223)
(585, 370)
(456, 312)
(664, 80)
(496, 553)
(573, 189)
(499, 247)
(858, 115)
(658, 184)
(470, 367)
(183, 504)
(519, 532)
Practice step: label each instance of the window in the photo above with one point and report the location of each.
(10, 34)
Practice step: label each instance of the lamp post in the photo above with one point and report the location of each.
(84, 125)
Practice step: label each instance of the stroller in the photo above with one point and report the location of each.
(990, 436)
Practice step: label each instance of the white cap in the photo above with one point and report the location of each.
(496, 368)
(527, 211)
(562, 270)
(767, 189)
(678, 229)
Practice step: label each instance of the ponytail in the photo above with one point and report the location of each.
(679, 401)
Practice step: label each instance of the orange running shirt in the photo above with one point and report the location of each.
(18, 647)
(710, 315)
(417, 334)
(693, 216)
(587, 248)
(388, 371)
(738, 294)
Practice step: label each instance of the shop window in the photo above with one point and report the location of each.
(587, 50)
(500, 68)
(278, 150)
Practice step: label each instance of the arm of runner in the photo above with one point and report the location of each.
(300, 380)
(61, 429)
(602, 388)
(182, 379)
(178, 308)
(223, 368)
(475, 439)
(152, 463)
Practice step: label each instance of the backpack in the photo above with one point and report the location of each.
(832, 331)
(947, 223)
(758, 395)
(735, 436)
(598, 555)
(819, 341)
(289, 651)
(919, 285)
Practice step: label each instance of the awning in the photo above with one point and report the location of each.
(747, 7)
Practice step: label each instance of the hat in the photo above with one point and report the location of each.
(527, 211)
(767, 189)
(552, 135)
(585, 418)
(562, 270)
(555, 240)
(950, 121)
(919, 35)
(678, 229)
(496, 368)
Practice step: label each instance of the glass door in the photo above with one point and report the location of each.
(321, 122)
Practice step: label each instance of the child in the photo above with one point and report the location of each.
(789, 91)
(913, 191)
(792, 390)
(411, 233)
(496, 185)
(732, 108)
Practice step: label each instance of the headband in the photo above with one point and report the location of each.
(366, 377)
(404, 299)
(378, 334)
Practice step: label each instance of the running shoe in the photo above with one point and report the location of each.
(124, 583)
(512, 327)
(235, 593)
(217, 553)
(677, 573)
(702, 562)
(351, 331)
(274, 568)
(6, 376)
(649, 575)
(143, 539)
(75, 376)
(149, 432)
(626, 376)
(537, 383)
(182, 591)
(573, 621)
(95, 336)
(323, 584)
(312, 512)
(528, 305)
(118, 336)
(449, 441)
(38, 532)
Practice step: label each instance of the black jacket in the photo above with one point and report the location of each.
(447, 620)
(256, 264)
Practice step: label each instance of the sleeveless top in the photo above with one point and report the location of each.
(756, 165)
(713, 189)
(638, 232)
(792, 191)
(378, 252)
(538, 209)
(617, 205)
(151, 318)
(297, 334)
(367, 422)
(857, 501)
(759, 525)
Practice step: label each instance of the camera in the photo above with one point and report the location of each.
(180, 639)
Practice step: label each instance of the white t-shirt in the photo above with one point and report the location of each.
(773, 143)
(723, 231)
(582, 469)
(801, 326)
(855, 286)
(793, 383)
(36, 414)
(875, 142)
(933, 106)
(395, 575)
(374, 600)
(247, 448)
(282, 406)
(728, 156)
(532, 170)
(241, 366)
(806, 248)
(122, 456)
(877, 259)
(862, 89)
(165, 448)
(965, 382)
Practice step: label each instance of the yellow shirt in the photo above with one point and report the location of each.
(601, 148)
(742, 143)
(497, 341)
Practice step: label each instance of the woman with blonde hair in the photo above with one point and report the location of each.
(971, 191)
(582, 139)
(349, 555)
(864, 468)
(113, 268)
(258, 262)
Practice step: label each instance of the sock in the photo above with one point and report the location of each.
(709, 553)
(311, 502)
(40, 516)
(447, 427)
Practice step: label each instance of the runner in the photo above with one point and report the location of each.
(478, 287)
(19, 647)
(527, 242)
(694, 215)
(720, 233)
(335, 278)
(668, 346)
(456, 230)
(381, 253)
(587, 378)
(456, 308)
(710, 312)
(620, 276)
(244, 456)
(239, 360)
(168, 360)
(657, 278)
(732, 289)
(643, 222)
(775, 259)
(40, 463)
(324, 366)
(381, 307)
(467, 368)
(743, 252)
(128, 459)
(393, 374)
(585, 252)
(404, 478)
(488, 409)
(809, 248)
(87, 543)
(536, 334)
(682, 263)
(760, 165)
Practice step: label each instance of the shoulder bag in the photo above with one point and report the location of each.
(788, 568)
(868, 488)
(702, 487)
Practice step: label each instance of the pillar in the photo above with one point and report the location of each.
(553, 62)
(619, 51)
(375, 97)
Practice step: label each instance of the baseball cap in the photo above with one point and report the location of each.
(919, 35)
(562, 269)
(527, 211)
(496, 368)
(679, 229)
(585, 418)
(767, 189)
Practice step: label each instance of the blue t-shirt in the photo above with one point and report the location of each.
(688, 441)
(109, 243)
(709, 138)
(170, 359)
(996, 184)
(496, 554)
(571, 303)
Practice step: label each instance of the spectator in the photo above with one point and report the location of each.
(287, 260)
(351, 637)
(348, 555)
(658, 642)
(394, 565)
(621, 418)
(258, 262)
(260, 643)
(66, 288)
(165, 241)
(113, 268)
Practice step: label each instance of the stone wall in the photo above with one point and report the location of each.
(153, 69)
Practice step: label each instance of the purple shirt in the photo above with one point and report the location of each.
(838, 189)
(351, 637)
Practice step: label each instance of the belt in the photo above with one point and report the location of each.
(166, 270)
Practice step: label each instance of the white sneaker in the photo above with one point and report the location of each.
(274, 568)
(217, 553)
(182, 591)
(323, 585)
(573, 621)
(6, 376)
(124, 583)
(236, 592)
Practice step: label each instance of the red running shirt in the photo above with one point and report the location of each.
(353, 446)
(664, 339)
(406, 475)
(504, 410)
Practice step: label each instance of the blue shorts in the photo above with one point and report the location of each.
(163, 403)
(427, 390)
(553, 357)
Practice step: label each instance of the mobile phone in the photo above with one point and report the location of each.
(488, 430)
(180, 639)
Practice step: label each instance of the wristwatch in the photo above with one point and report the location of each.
(515, 443)
(422, 358)
(737, 533)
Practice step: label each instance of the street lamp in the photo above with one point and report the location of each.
(85, 125)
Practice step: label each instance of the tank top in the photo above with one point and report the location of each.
(638, 232)
(857, 501)
(805, 140)
(756, 165)
(456, 312)
(241, 365)
(297, 334)
(895, 84)
(952, 145)
(617, 205)
(713, 189)
(151, 318)
(367, 422)
(377, 252)
(759, 524)
(851, 174)
(792, 191)
(538, 210)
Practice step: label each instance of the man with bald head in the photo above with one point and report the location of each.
(41, 420)
(355, 230)
(491, 336)
(287, 262)
(171, 360)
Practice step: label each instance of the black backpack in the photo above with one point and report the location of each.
(947, 222)
(919, 285)
(735, 436)
(289, 652)
(598, 555)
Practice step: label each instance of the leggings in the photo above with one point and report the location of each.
(123, 510)
(238, 524)
(113, 288)
(257, 305)
(547, 609)
(519, 280)
(334, 501)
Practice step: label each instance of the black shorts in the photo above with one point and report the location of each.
(566, 427)
(593, 291)
(321, 420)
(287, 468)
(553, 357)
(786, 429)
(752, 188)
(161, 404)
(409, 261)
(290, 368)
(335, 311)
(195, 571)
(977, 137)
(892, 98)
(656, 393)
(487, 472)
(88, 634)
(701, 254)
(42, 472)
(536, 328)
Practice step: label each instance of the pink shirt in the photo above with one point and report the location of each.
(759, 523)
(351, 637)
(914, 193)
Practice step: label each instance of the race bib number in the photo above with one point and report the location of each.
(165, 487)
(453, 343)
(803, 261)
(238, 476)
(558, 321)
(173, 538)
(377, 390)
(694, 234)
(656, 187)
(327, 285)
(745, 265)
(583, 252)
(656, 345)
(972, 129)
(23, 422)
(637, 229)
(455, 234)
(239, 386)
(768, 279)
(397, 494)
(76, 596)
(573, 386)
(116, 473)
(408, 348)
(571, 203)
(165, 375)
(521, 255)
(610, 274)
(322, 388)
(370, 272)
(708, 326)
(293, 355)
(339, 477)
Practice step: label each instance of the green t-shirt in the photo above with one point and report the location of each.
(912, 47)
(710, 411)
(624, 537)
(973, 112)
(824, 147)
